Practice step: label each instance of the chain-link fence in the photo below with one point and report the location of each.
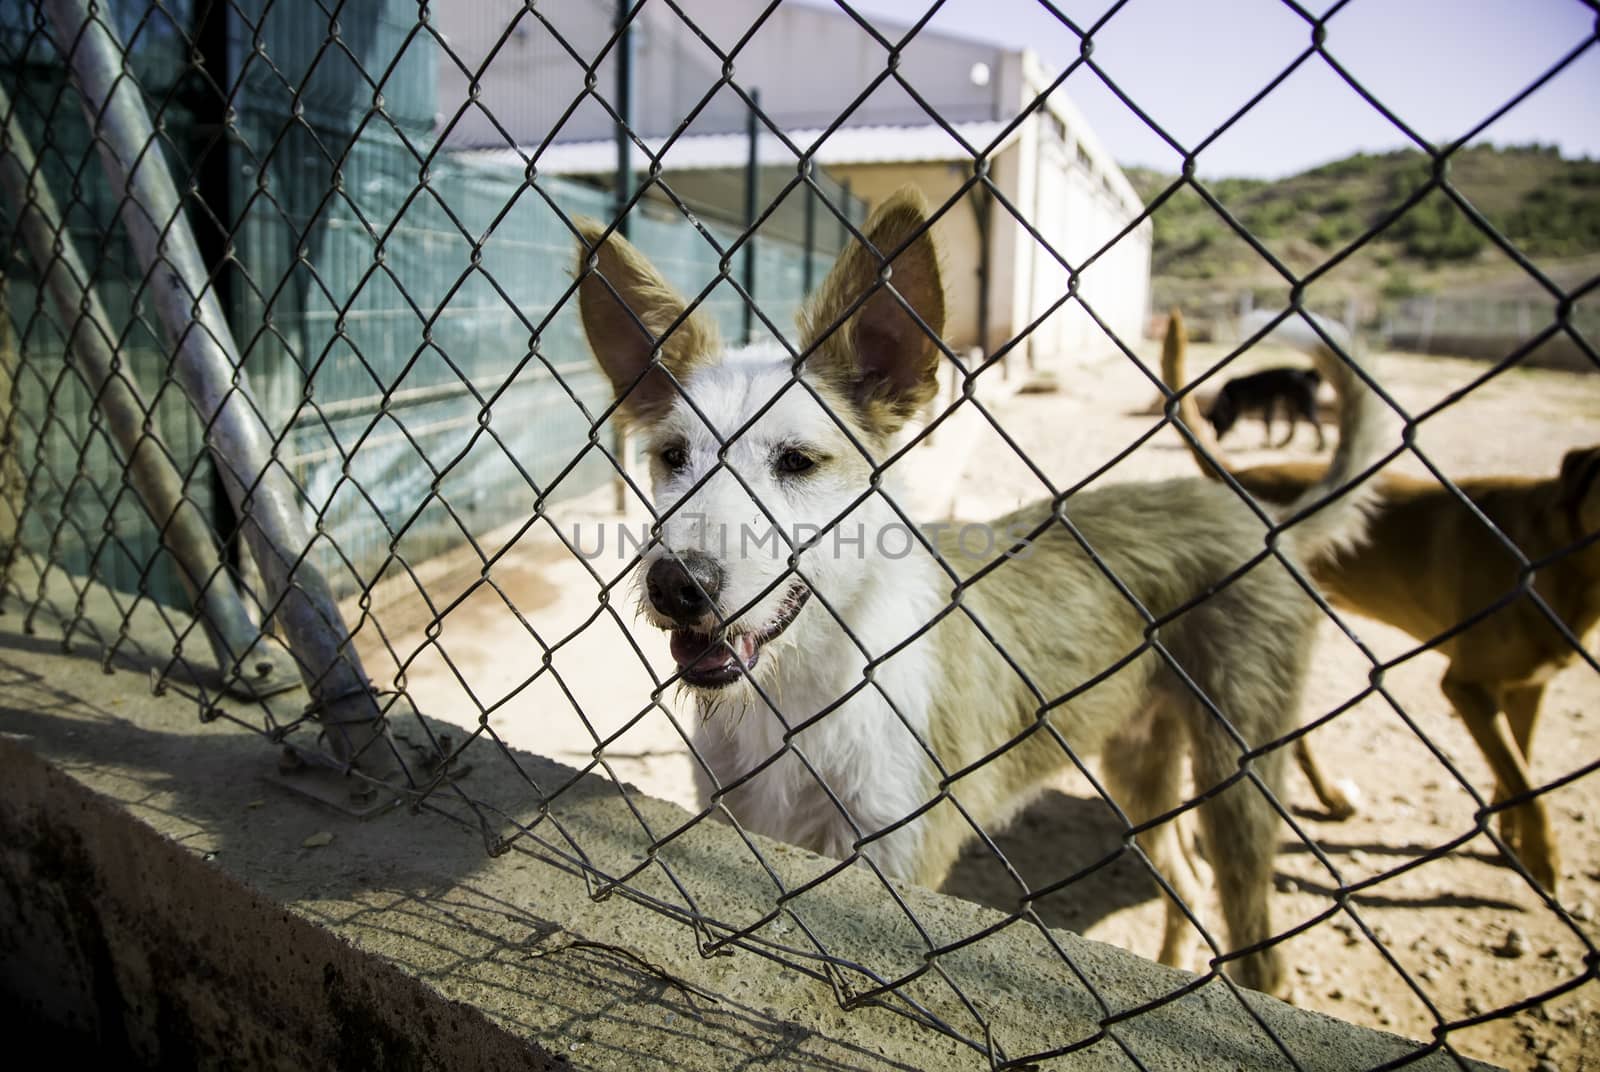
(292, 311)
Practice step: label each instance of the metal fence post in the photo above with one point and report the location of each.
(622, 190)
(215, 176)
(11, 484)
(250, 663)
(208, 367)
(752, 181)
(807, 270)
(983, 209)
(846, 197)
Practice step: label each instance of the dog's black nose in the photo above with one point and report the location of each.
(682, 586)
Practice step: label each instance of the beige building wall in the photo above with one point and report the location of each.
(1073, 194)
(1052, 168)
(1058, 177)
(1074, 203)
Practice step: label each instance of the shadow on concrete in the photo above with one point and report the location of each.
(1057, 836)
(425, 887)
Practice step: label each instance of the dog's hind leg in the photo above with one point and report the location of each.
(1145, 775)
(1534, 844)
(1335, 798)
(1522, 715)
(1522, 712)
(1313, 415)
(1240, 827)
(1294, 422)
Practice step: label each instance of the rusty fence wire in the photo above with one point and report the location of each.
(293, 363)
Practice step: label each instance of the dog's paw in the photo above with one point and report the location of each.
(1545, 869)
(1344, 800)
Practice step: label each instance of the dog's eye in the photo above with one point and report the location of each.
(674, 457)
(794, 461)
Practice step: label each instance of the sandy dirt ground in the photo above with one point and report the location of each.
(544, 653)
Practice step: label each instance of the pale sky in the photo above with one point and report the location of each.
(1442, 66)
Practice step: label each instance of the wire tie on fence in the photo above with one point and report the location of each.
(590, 886)
(990, 1050)
(843, 992)
(707, 944)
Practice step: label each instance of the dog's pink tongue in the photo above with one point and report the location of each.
(696, 651)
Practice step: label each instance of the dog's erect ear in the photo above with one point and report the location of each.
(629, 312)
(1580, 477)
(881, 358)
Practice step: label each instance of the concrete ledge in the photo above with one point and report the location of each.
(158, 902)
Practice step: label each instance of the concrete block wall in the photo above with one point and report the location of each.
(163, 904)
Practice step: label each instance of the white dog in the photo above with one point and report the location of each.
(860, 694)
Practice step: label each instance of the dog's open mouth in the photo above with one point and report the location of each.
(711, 662)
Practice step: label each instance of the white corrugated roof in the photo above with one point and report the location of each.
(847, 145)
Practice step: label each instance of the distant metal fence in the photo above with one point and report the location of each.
(1480, 328)
(362, 289)
(332, 338)
(1485, 328)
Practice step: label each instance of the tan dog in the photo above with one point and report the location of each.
(1429, 565)
(878, 695)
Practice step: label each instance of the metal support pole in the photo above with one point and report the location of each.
(251, 664)
(806, 269)
(983, 208)
(623, 187)
(752, 183)
(622, 190)
(207, 365)
(216, 176)
(844, 227)
(11, 481)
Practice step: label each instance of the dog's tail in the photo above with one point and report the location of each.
(1335, 511)
(1201, 440)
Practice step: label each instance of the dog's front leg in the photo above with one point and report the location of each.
(1145, 780)
(1294, 423)
(1522, 714)
(1315, 417)
(1477, 708)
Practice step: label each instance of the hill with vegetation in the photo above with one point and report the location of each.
(1547, 206)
